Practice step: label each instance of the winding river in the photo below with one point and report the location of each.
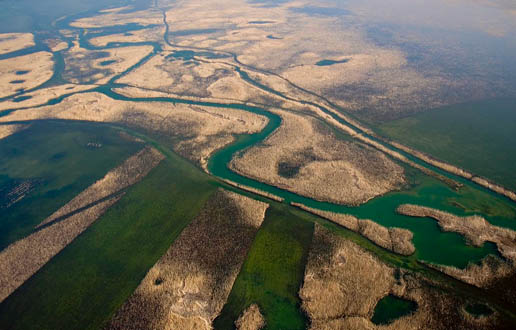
(432, 245)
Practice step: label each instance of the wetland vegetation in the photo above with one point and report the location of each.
(190, 85)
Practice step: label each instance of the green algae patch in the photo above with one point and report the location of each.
(477, 136)
(272, 274)
(391, 308)
(49, 163)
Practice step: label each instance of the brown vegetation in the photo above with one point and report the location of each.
(196, 131)
(98, 67)
(36, 68)
(251, 319)
(10, 42)
(378, 80)
(23, 258)
(6, 130)
(119, 16)
(42, 96)
(316, 164)
(188, 286)
(341, 279)
(477, 231)
(343, 284)
(486, 273)
(397, 240)
(150, 34)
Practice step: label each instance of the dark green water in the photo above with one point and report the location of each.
(330, 62)
(477, 136)
(104, 63)
(56, 155)
(478, 310)
(391, 308)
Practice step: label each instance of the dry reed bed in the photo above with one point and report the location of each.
(38, 68)
(254, 190)
(194, 79)
(188, 286)
(42, 96)
(20, 260)
(294, 56)
(10, 42)
(341, 279)
(398, 240)
(120, 16)
(343, 284)
(477, 231)
(323, 167)
(231, 86)
(363, 83)
(6, 130)
(251, 319)
(84, 66)
(196, 131)
(154, 34)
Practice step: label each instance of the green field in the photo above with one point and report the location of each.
(479, 137)
(56, 157)
(272, 274)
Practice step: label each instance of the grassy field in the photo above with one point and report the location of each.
(272, 274)
(86, 283)
(476, 136)
(57, 158)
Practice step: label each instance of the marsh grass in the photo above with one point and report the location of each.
(272, 274)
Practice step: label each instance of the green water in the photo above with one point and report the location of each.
(104, 63)
(391, 308)
(478, 310)
(330, 62)
(477, 136)
(190, 54)
(57, 156)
